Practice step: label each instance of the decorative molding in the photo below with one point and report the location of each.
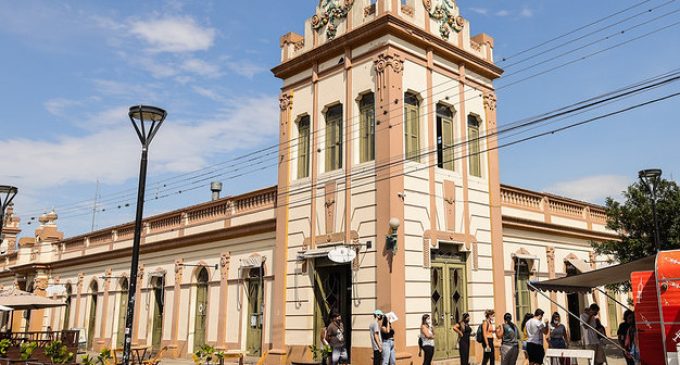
(331, 12)
(389, 60)
(445, 12)
(490, 101)
(225, 258)
(407, 10)
(369, 10)
(179, 266)
(286, 102)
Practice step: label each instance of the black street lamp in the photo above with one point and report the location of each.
(650, 178)
(7, 193)
(146, 120)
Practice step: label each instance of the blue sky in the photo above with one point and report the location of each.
(70, 70)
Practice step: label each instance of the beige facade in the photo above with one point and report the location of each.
(386, 109)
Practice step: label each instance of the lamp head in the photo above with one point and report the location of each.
(650, 178)
(394, 223)
(147, 113)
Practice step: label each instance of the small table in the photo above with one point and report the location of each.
(137, 353)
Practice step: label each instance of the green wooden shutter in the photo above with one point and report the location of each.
(367, 129)
(303, 147)
(474, 158)
(411, 128)
(445, 118)
(334, 138)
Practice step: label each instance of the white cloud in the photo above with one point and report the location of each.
(210, 94)
(58, 106)
(502, 13)
(244, 68)
(482, 11)
(592, 188)
(179, 34)
(112, 154)
(201, 67)
(526, 13)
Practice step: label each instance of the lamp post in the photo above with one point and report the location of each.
(146, 120)
(7, 193)
(650, 178)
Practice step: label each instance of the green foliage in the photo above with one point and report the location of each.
(318, 353)
(104, 355)
(4, 346)
(634, 222)
(27, 349)
(88, 360)
(206, 355)
(58, 353)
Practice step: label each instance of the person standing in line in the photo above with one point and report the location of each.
(558, 338)
(523, 327)
(591, 341)
(336, 339)
(626, 335)
(509, 333)
(536, 328)
(376, 339)
(487, 332)
(427, 338)
(464, 331)
(389, 356)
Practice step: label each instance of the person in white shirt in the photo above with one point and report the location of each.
(536, 328)
(590, 336)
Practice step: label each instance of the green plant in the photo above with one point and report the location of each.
(104, 356)
(87, 360)
(206, 354)
(4, 346)
(27, 349)
(318, 353)
(58, 353)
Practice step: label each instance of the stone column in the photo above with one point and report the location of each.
(550, 254)
(222, 311)
(389, 146)
(39, 288)
(176, 302)
(79, 292)
(138, 297)
(104, 339)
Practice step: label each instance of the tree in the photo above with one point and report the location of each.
(634, 223)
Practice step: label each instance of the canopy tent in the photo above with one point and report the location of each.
(5, 309)
(18, 300)
(586, 281)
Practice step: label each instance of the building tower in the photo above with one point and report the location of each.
(385, 109)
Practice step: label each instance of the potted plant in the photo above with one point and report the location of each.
(320, 353)
(4, 346)
(105, 356)
(26, 350)
(58, 353)
(207, 355)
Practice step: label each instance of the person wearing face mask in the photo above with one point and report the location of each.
(536, 328)
(509, 333)
(463, 330)
(427, 338)
(626, 336)
(488, 331)
(558, 338)
(336, 339)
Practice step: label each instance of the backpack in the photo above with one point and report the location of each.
(480, 334)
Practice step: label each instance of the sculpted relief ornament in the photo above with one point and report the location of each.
(444, 12)
(331, 11)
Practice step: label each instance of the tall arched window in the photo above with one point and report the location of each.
(412, 127)
(334, 138)
(122, 308)
(67, 306)
(201, 308)
(445, 156)
(303, 147)
(367, 128)
(474, 158)
(92, 317)
(158, 285)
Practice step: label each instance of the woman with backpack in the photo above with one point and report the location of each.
(509, 333)
(485, 334)
(426, 339)
(463, 330)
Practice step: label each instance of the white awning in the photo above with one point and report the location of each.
(579, 264)
(523, 256)
(585, 282)
(315, 253)
(252, 262)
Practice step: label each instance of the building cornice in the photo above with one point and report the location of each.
(551, 228)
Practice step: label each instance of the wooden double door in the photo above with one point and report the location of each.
(448, 294)
(332, 293)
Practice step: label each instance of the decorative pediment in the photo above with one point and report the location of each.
(329, 14)
(446, 13)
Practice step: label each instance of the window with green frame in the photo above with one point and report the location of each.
(303, 147)
(334, 138)
(412, 127)
(474, 158)
(445, 157)
(522, 294)
(612, 316)
(367, 128)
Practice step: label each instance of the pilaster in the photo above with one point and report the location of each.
(176, 302)
(222, 311)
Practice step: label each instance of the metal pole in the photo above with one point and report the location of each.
(130, 313)
(2, 222)
(657, 242)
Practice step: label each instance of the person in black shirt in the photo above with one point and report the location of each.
(626, 335)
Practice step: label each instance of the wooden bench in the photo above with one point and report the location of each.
(235, 354)
(569, 354)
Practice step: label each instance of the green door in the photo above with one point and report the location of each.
(449, 301)
(92, 317)
(157, 329)
(122, 307)
(201, 309)
(332, 293)
(611, 313)
(254, 332)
